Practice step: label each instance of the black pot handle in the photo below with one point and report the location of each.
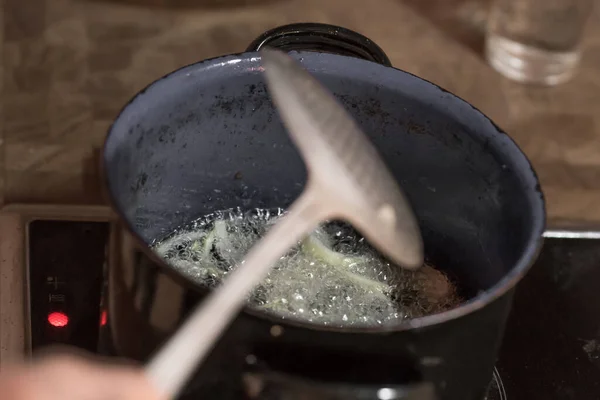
(321, 38)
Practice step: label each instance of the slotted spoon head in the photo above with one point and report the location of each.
(343, 165)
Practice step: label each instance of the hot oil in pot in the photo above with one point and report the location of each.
(332, 277)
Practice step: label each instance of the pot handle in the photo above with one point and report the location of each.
(321, 38)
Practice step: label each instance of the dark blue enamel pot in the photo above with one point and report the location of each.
(206, 137)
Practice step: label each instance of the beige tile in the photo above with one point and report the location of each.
(68, 67)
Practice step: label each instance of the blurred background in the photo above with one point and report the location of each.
(68, 66)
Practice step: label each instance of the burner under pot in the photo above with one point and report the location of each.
(277, 386)
(496, 389)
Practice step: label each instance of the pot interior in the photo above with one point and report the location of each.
(207, 138)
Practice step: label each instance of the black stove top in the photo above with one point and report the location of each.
(551, 348)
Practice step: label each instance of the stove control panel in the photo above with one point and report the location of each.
(65, 271)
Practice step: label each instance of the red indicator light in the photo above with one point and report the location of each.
(58, 319)
(103, 318)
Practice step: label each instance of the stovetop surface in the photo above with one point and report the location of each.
(551, 348)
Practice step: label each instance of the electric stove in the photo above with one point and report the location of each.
(56, 264)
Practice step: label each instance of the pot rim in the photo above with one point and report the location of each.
(477, 302)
